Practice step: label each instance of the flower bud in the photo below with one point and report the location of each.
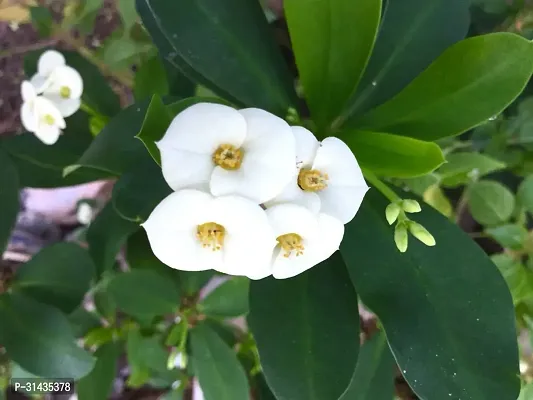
(177, 359)
(400, 237)
(84, 214)
(391, 212)
(411, 206)
(421, 233)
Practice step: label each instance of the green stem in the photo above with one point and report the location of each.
(91, 111)
(183, 337)
(381, 186)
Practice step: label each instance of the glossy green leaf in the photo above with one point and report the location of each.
(83, 321)
(144, 294)
(41, 166)
(193, 282)
(228, 300)
(437, 199)
(115, 149)
(106, 235)
(462, 168)
(99, 383)
(139, 191)
(41, 19)
(450, 96)
(525, 193)
(518, 277)
(307, 331)
(510, 236)
(38, 338)
(428, 298)
(97, 93)
(128, 15)
(227, 47)
(412, 34)
(392, 155)
(490, 202)
(332, 42)
(9, 192)
(216, 366)
(120, 52)
(527, 392)
(150, 79)
(58, 275)
(373, 378)
(154, 126)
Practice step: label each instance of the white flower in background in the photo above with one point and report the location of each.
(40, 116)
(304, 238)
(191, 230)
(213, 147)
(84, 213)
(58, 82)
(328, 178)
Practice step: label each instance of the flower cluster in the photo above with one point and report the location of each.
(253, 196)
(51, 95)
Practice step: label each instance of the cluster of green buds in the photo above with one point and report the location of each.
(396, 211)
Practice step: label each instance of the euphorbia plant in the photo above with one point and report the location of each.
(260, 181)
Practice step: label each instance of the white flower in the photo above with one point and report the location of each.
(84, 213)
(58, 82)
(304, 238)
(328, 178)
(248, 152)
(191, 230)
(40, 116)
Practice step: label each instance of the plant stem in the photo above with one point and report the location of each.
(381, 186)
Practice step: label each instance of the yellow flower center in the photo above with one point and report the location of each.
(312, 180)
(48, 119)
(291, 242)
(228, 157)
(64, 91)
(211, 235)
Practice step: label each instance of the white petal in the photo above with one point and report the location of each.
(39, 82)
(48, 61)
(342, 202)
(44, 106)
(48, 134)
(293, 194)
(171, 230)
(268, 163)
(28, 117)
(73, 81)
(336, 159)
(306, 146)
(67, 107)
(292, 218)
(27, 91)
(203, 127)
(318, 249)
(184, 169)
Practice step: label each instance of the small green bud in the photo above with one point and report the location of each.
(391, 212)
(400, 237)
(421, 233)
(411, 206)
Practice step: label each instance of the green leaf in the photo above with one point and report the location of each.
(462, 168)
(120, 52)
(144, 294)
(219, 373)
(373, 378)
(155, 124)
(150, 79)
(510, 236)
(83, 321)
(99, 383)
(139, 191)
(38, 338)
(41, 19)
(126, 9)
(490, 202)
(427, 298)
(412, 34)
(307, 331)
(58, 275)
(9, 192)
(525, 193)
(41, 166)
(450, 96)
(527, 392)
(115, 149)
(228, 300)
(193, 282)
(332, 42)
(393, 155)
(106, 235)
(97, 93)
(518, 278)
(437, 199)
(231, 52)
